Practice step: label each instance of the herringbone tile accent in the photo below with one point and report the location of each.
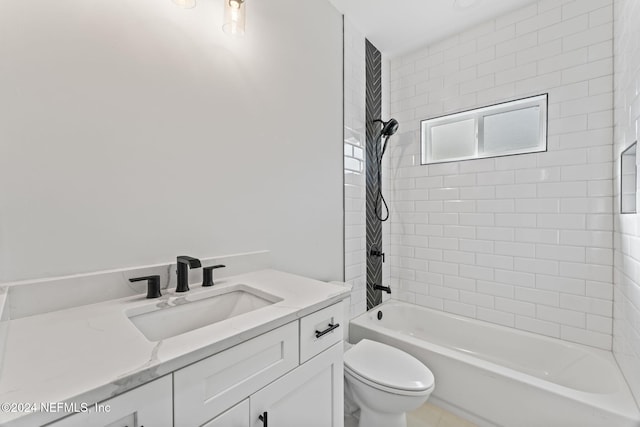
(374, 226)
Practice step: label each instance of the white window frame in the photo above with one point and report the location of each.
(478, 115)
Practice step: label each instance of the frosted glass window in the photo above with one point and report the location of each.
(512, 131)
(453, 140)
(514, 127)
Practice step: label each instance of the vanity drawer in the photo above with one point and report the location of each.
(207, 388)
(320, 330)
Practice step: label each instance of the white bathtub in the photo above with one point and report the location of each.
(496, 375)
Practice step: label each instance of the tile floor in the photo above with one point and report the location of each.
(427, 415)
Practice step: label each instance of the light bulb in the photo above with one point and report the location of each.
(234, 17)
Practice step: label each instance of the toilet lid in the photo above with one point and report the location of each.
(388, 366)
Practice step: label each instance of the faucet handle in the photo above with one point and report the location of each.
(153, 285)
(375, 252)
(207, 274)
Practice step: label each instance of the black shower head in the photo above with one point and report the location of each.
(389, 128)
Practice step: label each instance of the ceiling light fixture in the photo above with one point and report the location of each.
(185, 4)
(234, 17)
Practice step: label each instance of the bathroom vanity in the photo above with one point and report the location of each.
(272, 355)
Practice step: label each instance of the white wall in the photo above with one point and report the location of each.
(355, 187)
(626, 332)
(523, 241)
(132, 132)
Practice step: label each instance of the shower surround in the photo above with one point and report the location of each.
(523, 241)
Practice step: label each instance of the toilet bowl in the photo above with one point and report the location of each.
(384, 383)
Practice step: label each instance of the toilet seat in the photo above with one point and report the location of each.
(380, 387)
(388, 368)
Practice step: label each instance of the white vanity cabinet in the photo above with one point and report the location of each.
(292, 376)
(149, 405)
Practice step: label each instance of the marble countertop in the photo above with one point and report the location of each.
(93, 352)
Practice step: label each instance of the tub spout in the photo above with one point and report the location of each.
(387, 289)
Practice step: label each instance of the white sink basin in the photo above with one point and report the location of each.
(184, 314)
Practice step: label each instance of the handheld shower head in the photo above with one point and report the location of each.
(390, 127)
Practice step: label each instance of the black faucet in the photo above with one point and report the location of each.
(386, 289)
(184, 263)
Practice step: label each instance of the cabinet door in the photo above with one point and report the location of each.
(147, 406)
(309, 396)
(238, 416)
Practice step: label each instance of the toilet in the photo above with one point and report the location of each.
(384, 383)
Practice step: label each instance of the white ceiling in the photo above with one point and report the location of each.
(400, 26)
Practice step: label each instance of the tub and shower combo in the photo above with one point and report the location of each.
(494, 375)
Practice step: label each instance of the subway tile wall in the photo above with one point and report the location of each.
(626, 332)
(354, 168)
(524, 241)
(386, 179)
